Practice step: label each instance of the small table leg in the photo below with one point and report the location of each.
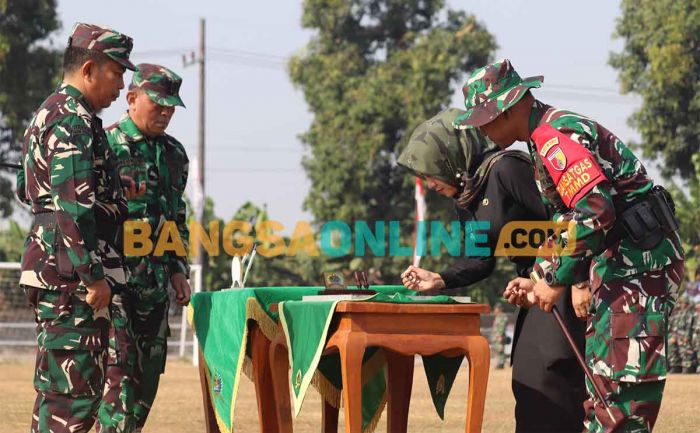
(262, 377)
(330, 418)
(279, 362)
(351, 346)
(400, 383)
(477, 350)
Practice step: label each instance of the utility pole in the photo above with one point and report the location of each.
(200, 58)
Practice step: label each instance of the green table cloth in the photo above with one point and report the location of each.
(220, 320)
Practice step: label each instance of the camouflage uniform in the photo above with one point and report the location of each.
(676, 335)
(69, 181)
(694, 341)
(498, 338)
(585, 173)
(166, 166)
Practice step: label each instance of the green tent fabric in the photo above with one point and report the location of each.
(306, 324)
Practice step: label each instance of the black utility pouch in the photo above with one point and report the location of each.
(642, 226)
(664, 209)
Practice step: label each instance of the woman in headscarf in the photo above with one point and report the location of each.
(497, 186)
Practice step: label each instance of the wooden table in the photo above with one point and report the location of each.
(402, 331)
(262, 378)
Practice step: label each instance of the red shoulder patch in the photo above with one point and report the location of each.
(573, 168)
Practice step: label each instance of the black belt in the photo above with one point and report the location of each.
(45, 219)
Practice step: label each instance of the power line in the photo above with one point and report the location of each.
(278, 62)
(582, 88)
(253, 170)
(165, 52)
(253, 149)
(253, 54)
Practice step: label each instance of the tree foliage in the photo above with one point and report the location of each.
(372, 72)
(660, 61)
(11, 242)
(28, 72)
(688, 212)
(280, 270)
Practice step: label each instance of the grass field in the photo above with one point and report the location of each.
(178, 408)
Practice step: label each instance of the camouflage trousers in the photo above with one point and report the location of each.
(674, 353)
(70, 362)
(145, 332)
(115, 414)
(626, 349)
(681, 353)
(499, 350)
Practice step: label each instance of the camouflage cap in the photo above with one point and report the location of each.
(115, 45)
(160, 84)
(490, 91)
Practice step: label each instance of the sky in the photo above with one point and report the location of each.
(254, 114)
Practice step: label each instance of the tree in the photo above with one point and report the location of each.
(660, 61)
(299, 270)
(28, 72)
(12, 242)
(372, 72)
(688, 212)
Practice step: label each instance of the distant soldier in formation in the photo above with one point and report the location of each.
(676, 335)
(69, 266)
(498, 335)
(145, 151)
(694, 342)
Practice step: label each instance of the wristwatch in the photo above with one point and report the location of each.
(548, 275)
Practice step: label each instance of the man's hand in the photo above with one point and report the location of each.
(546, 296)
(519, 292)
(182, 288)
(99, 294)
(581, 299)
(422, 280)
(132, 191)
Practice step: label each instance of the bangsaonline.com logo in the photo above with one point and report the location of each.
(338, 238)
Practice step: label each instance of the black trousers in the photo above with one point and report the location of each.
(548, 383)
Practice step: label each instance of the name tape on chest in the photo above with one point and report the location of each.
(573, 168)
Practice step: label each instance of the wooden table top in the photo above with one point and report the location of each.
(391, 308)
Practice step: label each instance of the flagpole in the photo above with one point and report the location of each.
(420, 216)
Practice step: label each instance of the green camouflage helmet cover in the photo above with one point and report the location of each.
(490, 91)
(160, 84)
(115, 45)
(438, 150)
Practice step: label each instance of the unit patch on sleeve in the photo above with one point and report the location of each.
(573, 168)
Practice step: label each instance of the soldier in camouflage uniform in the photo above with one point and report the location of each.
(498, 335)
(594, 182)
(676, 335)
(694, 340)
(69, 266)
(681, 338)
(140, 142)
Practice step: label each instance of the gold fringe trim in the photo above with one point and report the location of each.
(207, 375)
(248, 368)
(256, 312)
(328, 391)
(240, 366)
(372, 425)
(190, 315)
